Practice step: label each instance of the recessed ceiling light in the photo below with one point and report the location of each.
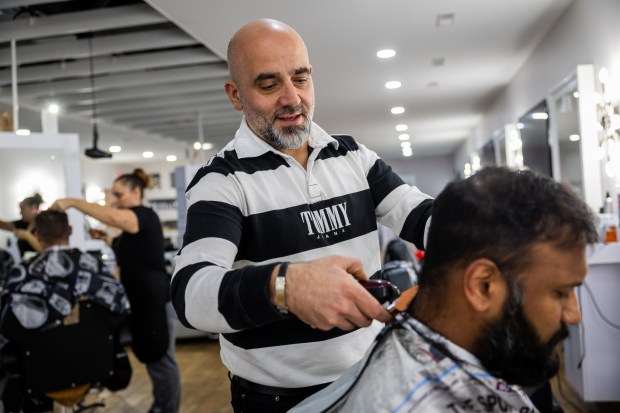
(114, 148)
(397, 110)
(393, 84)
(540, 115)
(171, 158)
(53, 108)
(407, 153)
(576, 95)
(207, 146)
(445, 20)
(403, 136)
(405, 144)
(386, 53)
(520, 125)
(402, 128)
(197, 145)
(438, 61)
(574, 138)
(147, 154)
(22, 132)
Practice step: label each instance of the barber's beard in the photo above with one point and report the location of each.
(509, 348)
(289, 137)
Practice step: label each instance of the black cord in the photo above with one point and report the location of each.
(92, 90)
(582, 335)
(598, 310)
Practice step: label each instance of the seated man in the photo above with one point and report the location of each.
(42, 291)
(505, 251)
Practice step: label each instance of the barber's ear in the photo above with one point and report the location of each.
(484, 286)
(233, 94)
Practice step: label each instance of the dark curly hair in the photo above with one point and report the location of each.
(52, 226)
(498, 214)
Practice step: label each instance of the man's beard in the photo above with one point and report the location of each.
(290, 137)
(509, 348)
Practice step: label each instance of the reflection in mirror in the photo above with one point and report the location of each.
(534, 130)
(24, 172)
(500, 137)
(567, 128)
(487, 155)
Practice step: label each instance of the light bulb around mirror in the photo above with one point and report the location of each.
(603, 75)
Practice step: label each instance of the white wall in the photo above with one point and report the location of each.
(430, 174)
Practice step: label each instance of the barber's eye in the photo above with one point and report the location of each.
(267, 88)
(562, 294)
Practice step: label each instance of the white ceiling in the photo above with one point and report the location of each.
(154, 78)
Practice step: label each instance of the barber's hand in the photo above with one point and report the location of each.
(97, 233)
(62, 204)
(326, 293)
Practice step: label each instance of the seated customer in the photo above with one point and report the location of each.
(505, 251)
(42, 291)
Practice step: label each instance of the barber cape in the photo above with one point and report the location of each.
(410, 368)
(42, 291)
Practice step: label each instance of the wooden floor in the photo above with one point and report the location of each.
(204, 382)
(205, 386)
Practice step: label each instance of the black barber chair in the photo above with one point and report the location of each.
(64, 362)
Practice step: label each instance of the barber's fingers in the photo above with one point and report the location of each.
(355, 309)
(353, 266)
(370, 308)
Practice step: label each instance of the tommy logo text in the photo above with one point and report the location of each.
(326, 220)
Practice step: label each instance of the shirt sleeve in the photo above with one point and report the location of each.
(206, 292)
(403, 208)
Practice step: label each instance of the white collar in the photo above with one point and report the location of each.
(57, 248)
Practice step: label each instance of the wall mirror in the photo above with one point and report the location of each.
(534, 132)
(44, 163)
(565, 131)
(487, 154)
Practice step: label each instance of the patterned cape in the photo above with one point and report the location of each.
(413, 369)
(42, 291)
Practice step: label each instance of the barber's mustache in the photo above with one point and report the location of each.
(292, 110)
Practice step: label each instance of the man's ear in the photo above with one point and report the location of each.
(232, 91)
(484, 286)
(70, 231)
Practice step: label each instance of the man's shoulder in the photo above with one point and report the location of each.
(228, 162)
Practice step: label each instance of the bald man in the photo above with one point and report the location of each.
(281, 225)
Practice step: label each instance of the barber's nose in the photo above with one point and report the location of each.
(289, 95)
(572, 313)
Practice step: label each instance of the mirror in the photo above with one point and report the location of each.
(487, 154)
(566, 117)
(500, 154)
(45, 163)
(534, 131)
(26, 171)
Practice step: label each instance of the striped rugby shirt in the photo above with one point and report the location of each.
(252, 207)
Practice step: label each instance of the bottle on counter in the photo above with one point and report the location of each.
(611, 234)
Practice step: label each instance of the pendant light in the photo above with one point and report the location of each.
(94, 152)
